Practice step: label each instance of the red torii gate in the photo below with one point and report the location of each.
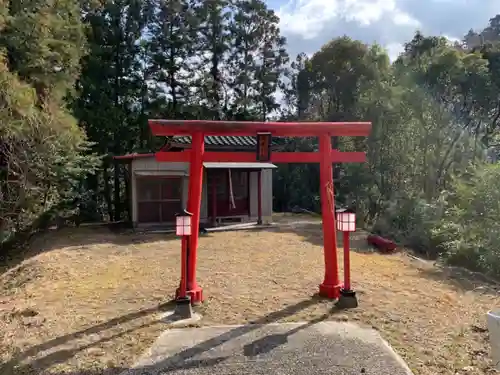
(196, 156)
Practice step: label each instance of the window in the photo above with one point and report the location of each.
(159, 199)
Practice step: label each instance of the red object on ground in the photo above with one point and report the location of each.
(381, 243)
(198, 129)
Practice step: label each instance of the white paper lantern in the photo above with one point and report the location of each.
(346, 220)
(183, 225)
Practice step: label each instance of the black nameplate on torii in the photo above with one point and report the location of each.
(264, 147)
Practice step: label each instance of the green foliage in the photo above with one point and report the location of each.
(44, 156)
(411, 222)
(43, 152)
(469, 228)
(44, 41)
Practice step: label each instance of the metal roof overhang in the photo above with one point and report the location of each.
(239, 165)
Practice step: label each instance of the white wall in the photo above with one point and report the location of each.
(267, 195)
(204, 198)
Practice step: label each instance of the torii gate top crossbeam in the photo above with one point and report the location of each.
(251, 128)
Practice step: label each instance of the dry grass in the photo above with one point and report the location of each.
(88, 302)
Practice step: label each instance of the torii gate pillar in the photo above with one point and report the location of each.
(330, 287)
(194, 206)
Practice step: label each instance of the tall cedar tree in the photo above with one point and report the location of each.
(172, 46)
(111, 85)
(271, 59)
(213, 46)
(244, 29)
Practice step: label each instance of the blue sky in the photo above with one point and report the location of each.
(308, 24)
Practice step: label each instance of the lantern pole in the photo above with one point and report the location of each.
(347, 263)
(184, 266)
(183, 223)
(346, 222)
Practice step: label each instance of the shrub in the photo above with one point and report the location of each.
(469, 229)
(410, 222)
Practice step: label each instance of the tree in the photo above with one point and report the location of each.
(453, 90)
(43, 44)
(110, 87)
(43, 153)
(295, 86)
(271, 58)
(337, 83)
(341, 70)
(244, 43)
(213, 46)
(257, 58)
(172, 47)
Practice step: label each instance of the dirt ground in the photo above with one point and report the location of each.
(87, 301)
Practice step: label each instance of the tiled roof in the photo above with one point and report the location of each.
(221, 140)
(210, 140)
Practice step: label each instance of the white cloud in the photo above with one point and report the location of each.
(309, 18)
(367, 12)
(393, 50)
(308, 24)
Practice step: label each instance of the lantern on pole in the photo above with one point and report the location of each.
(183, 229)
(183, 224)
(346, 223)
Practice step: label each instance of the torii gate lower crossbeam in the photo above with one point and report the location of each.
(198, 129)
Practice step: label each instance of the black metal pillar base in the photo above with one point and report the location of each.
(347, 299)
(259, 222)
(183, 309)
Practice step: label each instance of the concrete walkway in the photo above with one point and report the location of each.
(289, 349)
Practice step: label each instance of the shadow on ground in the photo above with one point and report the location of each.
(13, 366)
(462, 279)
(457, 277)
(38, 366)
(79, 238)
(312, 232)
(309, 228)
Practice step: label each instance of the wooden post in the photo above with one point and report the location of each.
(259, 197)
(182, 291)
(347, 262)
(213, 177)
